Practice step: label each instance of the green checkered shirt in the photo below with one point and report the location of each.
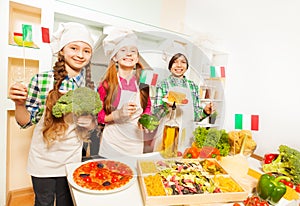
(163, 87)
(38, 90)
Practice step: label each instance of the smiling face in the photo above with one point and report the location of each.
(178, 66)
(77, 55)
(127, 57)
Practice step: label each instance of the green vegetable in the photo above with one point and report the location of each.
(212, 137)
(270, 188)
(148, 121)
(80, 101)
(287, 163)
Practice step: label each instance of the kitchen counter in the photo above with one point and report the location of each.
(132, 195)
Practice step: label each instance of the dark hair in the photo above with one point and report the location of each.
(176, 56)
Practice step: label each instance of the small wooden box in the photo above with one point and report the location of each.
(187, 199)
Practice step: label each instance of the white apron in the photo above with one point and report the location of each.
(185, 119)
(50, 162)
(121, 139)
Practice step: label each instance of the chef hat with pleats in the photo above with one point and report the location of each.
(70, 32)
(116, 39)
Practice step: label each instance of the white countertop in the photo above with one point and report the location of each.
(132, 196)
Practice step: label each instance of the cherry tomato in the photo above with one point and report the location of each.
(289, 184)
(283, 181)
(264, 203)
(99, 175)
(297, 188)
(268, 158)
(236, 204)
(255, 199)
(87, 179)
(246, 201)
(114, 179)
(93, 164)
(179, 154)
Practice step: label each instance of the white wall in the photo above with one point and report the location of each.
(263, 41)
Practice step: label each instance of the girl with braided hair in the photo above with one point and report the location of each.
(55, 141)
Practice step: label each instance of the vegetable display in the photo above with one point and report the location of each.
(213, 138)
(287, 163)
(81, 101)
(271, 188)
(148, 121)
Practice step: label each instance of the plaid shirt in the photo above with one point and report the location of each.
(163, 87)
(38, 90)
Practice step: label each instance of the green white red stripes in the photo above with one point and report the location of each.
(246, 122)
(217, 71)
(148, 77)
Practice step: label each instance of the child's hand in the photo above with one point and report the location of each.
(18, 93)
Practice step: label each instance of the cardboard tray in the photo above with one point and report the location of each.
(187, 199)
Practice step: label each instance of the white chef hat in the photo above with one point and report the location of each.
(172, 47)
(118, 38)
(70, 32)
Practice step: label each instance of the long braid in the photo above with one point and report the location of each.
(88, 77)
(55, 127)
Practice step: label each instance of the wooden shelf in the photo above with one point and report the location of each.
(14, 64)
(23, 14)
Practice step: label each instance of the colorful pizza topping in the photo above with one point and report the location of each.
(102, 175)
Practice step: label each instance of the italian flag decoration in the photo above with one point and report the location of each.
(246, 122)
(217, 71)
(148, 77)
(27, 32)
(45, 35)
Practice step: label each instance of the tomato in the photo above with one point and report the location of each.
(289, 184)
(87, 179)
(99, 175)
(114, 179)
(264, 203)
(93, 164)
(255, 199)
(297, 188)
(179, 154)
(283, 181)
(184, 101)
(246, 201)
(236, 204)
(268, 158)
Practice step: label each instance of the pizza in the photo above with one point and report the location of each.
(102, 175)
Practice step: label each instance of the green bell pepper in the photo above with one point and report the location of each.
(270, 188)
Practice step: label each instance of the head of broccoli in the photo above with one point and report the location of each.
(287, 163)
(81, 101)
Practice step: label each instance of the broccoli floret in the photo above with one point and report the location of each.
(80, 101)
(287, 163)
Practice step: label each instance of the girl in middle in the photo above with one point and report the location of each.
(124, 98)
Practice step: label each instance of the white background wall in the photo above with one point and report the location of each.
(263, 41)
